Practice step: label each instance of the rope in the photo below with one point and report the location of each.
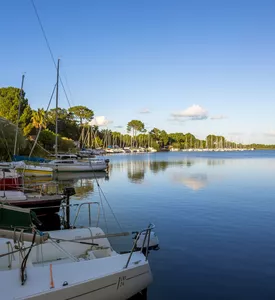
(24, 262)
(49, 48)
(99, 187)
(40, 127)
(43, 149)
(103, 211)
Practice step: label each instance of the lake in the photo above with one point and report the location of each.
(214, 215)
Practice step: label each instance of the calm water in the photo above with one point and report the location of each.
(214, 215)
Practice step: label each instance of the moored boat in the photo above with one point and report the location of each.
(71, 165)
(33, 170)
(78, 263)
(41, 204)
(10, 179)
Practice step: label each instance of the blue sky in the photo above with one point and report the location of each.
(194, 66)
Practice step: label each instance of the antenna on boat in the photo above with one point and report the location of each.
(18, 116)
(56, 109)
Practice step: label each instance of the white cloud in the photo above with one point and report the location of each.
(194, 112)
(218, 117)
(118, 126)
(271, 133)
(145, 111)
(100, 121)
(236, 133)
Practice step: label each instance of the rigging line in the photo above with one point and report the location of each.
(40, 126)
(49, 48)
(103, 210)
(100, 189)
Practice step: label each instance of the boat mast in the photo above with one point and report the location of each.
(18, 116)
(56, 109)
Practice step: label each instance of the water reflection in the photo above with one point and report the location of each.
(82, 182)
(75, 176)
(153, 165)
(136, 171)
(192, 181)
(215, 162)
(157, 166)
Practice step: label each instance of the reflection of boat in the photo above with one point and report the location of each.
(79, 175)
(193, 181)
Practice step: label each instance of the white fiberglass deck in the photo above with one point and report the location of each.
(104, 278)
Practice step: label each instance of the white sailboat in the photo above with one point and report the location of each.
(72, 165)
(21, 166)
(71, 264)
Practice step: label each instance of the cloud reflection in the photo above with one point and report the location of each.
(193, 181)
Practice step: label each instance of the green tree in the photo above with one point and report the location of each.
(82, 113)
(126, 140)
(7, 137)
(26, 120)
(155, 134)
(47, 139)
(164, 138)
(38, 118)
(67, 126)
(9, 105)
(135, 126)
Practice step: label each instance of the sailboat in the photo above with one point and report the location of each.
(77, 263)
(72, 165)
(21, 166)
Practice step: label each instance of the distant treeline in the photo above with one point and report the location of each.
(75, 132)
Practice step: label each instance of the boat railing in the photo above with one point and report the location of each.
(143, 247)
(89, 204)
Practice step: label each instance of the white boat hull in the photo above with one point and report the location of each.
(52, 275)
(108, 280)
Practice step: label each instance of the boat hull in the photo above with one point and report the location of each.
(70, 281)
(36, 172)
(100, 274)
(42, 205)
(11, 183)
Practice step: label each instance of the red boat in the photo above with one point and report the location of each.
(10, 180)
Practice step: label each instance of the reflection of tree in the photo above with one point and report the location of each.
(136, 177)
(136, 171)
(215, 162)
(189, 163)
(84, 188)
(156, 166)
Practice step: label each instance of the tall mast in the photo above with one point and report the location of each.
(18, 116)
(56, 109)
